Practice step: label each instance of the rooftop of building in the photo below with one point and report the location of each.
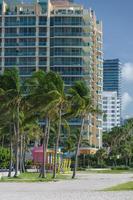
(112, 60)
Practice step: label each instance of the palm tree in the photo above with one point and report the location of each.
(101, 155)
(11, 93)
(81, 107)
(46, 100)
(60, 107)
(37, 87)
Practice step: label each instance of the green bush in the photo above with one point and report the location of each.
(4, 158)
(120, 168)
(28, 164)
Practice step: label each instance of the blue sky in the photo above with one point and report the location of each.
(117, 17)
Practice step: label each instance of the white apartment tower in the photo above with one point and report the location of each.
(111, 110)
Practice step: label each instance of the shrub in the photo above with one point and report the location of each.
(4, 158)
(120, 168)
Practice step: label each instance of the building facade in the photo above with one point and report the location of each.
(111, 110)
(112, 76)
(56, 35)
(111, 88)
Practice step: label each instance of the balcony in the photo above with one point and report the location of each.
(27, 44)
(73, 34)
(10, 63)
(44, 23)
(11, 35)
(42, 63)
(42, 43)
(42, 53)
(26, 73)
(67, 12)
(11, 44)
(68, 64)
(11, 23)
(80, 44)
(44, 34)
(26, 63)
(71, 54)
(25, 54)
(29, 34)
(72, 74)
(57, 23)
(31, 23)
(11, 54)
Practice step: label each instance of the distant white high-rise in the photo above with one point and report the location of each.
(111, 110)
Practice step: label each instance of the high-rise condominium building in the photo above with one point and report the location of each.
(112, 76)
(111, 109)
(56, 35)
(112, 89)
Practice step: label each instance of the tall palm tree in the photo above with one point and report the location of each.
(60, 108)
(81, 107)
(11, 93)
(45, 99)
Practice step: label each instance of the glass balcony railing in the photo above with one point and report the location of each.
(11, 44)
(26, 54)
(42, 63)
(27, 43)
(68, 64)
(42, 43)
(11, 35)
(42, 34)
(20, 34)
(20, 53)
(27, 34)
(42, 23)
(24, 73)
(43, 53)
(10, 63)
(72, 73)
(31, 23)
(19, 23)
(11, 23)
(11, 54)
(71, 44)
(62, 33)
(71, 54)
(26, 63)
(57, 23)
(67, 34)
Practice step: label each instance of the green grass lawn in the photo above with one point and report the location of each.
(34, 177)
(121, 187)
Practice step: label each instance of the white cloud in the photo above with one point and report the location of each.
(126, 100)
(127, 71)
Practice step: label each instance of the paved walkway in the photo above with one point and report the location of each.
(84, 188)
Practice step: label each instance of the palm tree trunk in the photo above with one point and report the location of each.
(130, 161)
(57, 145)
(17, 144)
(45, 146)
(11, 150)
(3, 138)
(126, 161)
(21, 153)
(77, 150)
